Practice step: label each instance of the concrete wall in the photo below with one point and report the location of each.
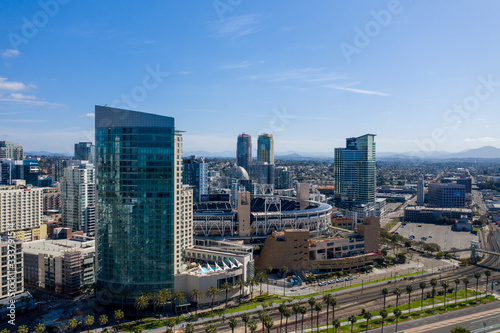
(370, 230)
(289, 248)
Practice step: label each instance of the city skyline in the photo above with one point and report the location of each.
(418, 77)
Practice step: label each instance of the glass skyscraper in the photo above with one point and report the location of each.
(85, 151)
(355, 173)
(265, 148)
(244, 151)
(136, 189)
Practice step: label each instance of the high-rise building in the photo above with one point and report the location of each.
(139, 202)
(244, 151)
(265, 148)
(21, 208)
(195, 173)
(11, 150)
(15, 169)
(85, 151)
(355, 174)
(283, 178)
(420, 191)
(30, 172)
(12, 282)
(446, 195)
(467, 182)
(78, 197)
(262, 173)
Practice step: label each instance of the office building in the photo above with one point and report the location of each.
(283, 178)
(195, 174)
(62, 265)
(265, 148)
(11, 150)
(85, 151)
(21, 208)
(420, 191)
(19, 169)
(244, 151)
(30, 172)
(355, 175)
(467, 182)
(262, 173)
(432, 214)
(447, 195)
(78, 198)
(11, 274)
(139, 170)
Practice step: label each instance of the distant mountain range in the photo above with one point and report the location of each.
(43, 153)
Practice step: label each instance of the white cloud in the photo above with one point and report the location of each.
(485, 139)
(237, 26)
(309, 74)
(241, 64)
(88, 115)
(22, 97)
(358, 91)
(11, 53)
(13, 85)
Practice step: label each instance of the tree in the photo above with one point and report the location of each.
(312, 303)
(210, 329)
(171, 322)
(326, 299)
(269, 270)
(262, 317)
(384, 315)
(303, 311)
(245, 318)
(260, 276)
(103, 320)
(333, 304)
(282, 308)
(477, 275)
(40, 328)
(336, 324)
(24, 329)
(397, 314)
(367, 315)
(318, 307)
(118, 315)
(465, 282)
(287, 315)
(189, 328)
(268, 323)
(252, 282)
(459, 329)
(409, 289)
(385, 292)
(196, 296)
(141, 303)
(397, 292)
(5, 331)
(457, 282)
(178, 298)
(167, 297)
(88, 321)
(241, 285)
(212, 292)
(352, 319)
(233, 323)
(296, 310)
(487, 273)
(125, 293)
(227, 287)
(445, 285)
(252, 326)
(434, 283)
(284, 271)
(422, 286)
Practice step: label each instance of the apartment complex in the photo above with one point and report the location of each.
(21, 208)
(195, 174)
(11, 150)
(244, 151)
(447, 195)
(265, 149)
(11, 276)
(51, 199)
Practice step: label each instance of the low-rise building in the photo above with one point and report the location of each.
(431, 214)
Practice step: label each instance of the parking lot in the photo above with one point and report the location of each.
(439, 234)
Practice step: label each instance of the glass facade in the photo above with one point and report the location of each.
(136, 195)
(265, 148)
(244, 151)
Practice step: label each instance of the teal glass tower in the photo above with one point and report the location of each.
(135, 202)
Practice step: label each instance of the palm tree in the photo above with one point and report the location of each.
(352, 319)
(118, 315)
(326, 299)
(252, 282)
(311, 302)
(445, 284)
(296, 310)
(245, 318)
(422, 286)
(262, 317)
(5, 330)
(466, 282)
(252, 326)
(384, 315)
(196, 296)
(40, 328)
(457, 282)
(268, 323)
(318, 307)
(241, 285)
(103, 319)
(385, 292)
(409, 289)
(210, 329)
(227, 287)
(336, 324)
(268, 270)
(303, 311)
(282, 308)
(178, 298)
(125, 293)
(212, 292)
(397, 292)
(477, 275)
(167, 297)
(189, 328)
(434, 283)
(24, 329)
(333, 304)
(367, 315)
(171, 322)
(284, 271)
(287, 315)
(88, 321)
(260, 276)
(141, 303)
(233, 323)
(487, 273)
(397, 314)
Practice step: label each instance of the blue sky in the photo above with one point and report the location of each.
(422, 75)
